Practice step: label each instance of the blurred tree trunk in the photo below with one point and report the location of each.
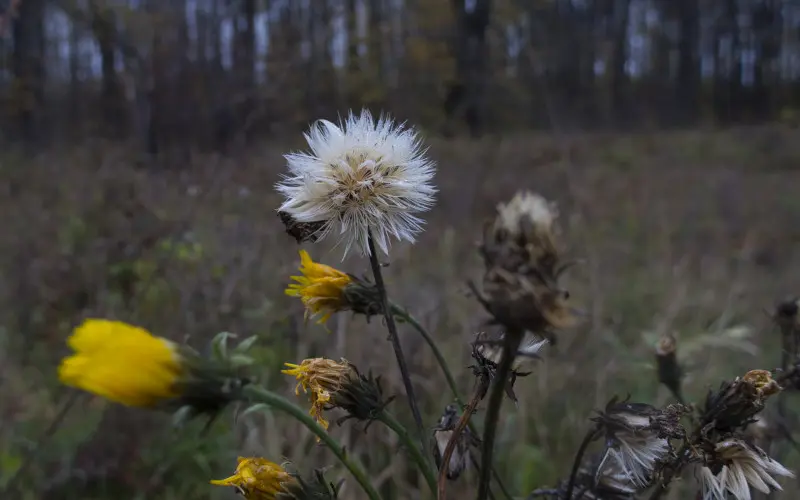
(687, 85)
(466, 95)
(619, 59)
(244, 65)
(28, 69)
(103, 22)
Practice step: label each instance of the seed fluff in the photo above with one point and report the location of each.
(360, 176)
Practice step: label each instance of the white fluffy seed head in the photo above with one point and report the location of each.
(359, 177)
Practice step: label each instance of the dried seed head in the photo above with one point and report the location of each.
(362, 177)
(734, 466)
(736, 403)
(521, 238)
(523, 266)
(459, 460)
(637, 437)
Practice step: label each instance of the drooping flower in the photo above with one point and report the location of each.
(323, 378)
(257, 479)
(122, 363)
(740, 466)
(361, 177)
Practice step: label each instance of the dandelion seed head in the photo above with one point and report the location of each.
(360, 177)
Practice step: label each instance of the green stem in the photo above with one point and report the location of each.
(405, 374)
(451, 381)
(511, 343)
(416, 454)
(261, 395)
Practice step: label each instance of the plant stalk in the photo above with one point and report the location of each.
(511, 343)
(261, 395)
(448, 375)
(416, 454)
(576, 465)
(395, 339)
(451, 444)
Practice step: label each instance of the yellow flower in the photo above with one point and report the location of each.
(257, 479)
(323, 377)
(121, 363)
(321, 288)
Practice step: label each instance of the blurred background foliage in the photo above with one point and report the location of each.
(141, 141)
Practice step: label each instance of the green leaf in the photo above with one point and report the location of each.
(219, 345)
(246, 344)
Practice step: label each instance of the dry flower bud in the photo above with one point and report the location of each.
(736, 403)
(669, 371)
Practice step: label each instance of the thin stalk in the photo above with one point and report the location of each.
(261, 395)
(416, 454)
(395, 339)
(451, 381)
(451, 444)
(576, 465)
(511, 343)
(69, 402)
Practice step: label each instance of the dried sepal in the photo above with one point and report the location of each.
(442, 433)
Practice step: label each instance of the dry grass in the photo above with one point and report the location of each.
(692, 232)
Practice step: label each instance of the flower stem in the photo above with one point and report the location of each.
(395, 339)
(451, 444)
(261, 395)
(451, 381)
(511, 341)
(416, 454)
(576, 465)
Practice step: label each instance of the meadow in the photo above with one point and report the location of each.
(687, 232)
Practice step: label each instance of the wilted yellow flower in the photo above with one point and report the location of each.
(321, 288)
(763, 382)
(323, 377)
(257, 479)
(122, 363)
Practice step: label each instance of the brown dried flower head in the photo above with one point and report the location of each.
(523, 266)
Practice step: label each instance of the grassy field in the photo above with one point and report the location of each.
(689, 232)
